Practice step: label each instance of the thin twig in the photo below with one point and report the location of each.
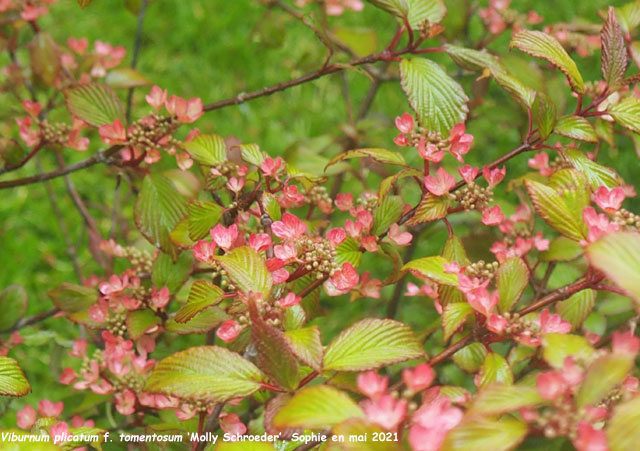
(32, 320)
(212, 424)
(136, 51)
(392, 308)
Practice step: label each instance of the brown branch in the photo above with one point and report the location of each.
(24, 161)
(212, 424)
(312, 286)
(448, 352)
(24, 322)
(136, 52)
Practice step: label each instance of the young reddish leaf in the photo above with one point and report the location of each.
(94, 103)
(557, 347)
(485, 434)
(248, 271)
(627, 113)
(431, 208)
(372, 343)
(274, 354)
(614, 52)
(377, 154)
(357, 427)
(438, 100)
(554, 210)
(140, 321)
(576, 308)
(12, 379)
(544, 111)
(420, 10)
(433, 268)
(317, 407)
(13, 305)
(207, 149)
(201, 323)
(494, 369)
(542, 45)
(158, 210)
(512, 279)
(602, 376)
(596, 174)
(205, 373)
(203, 215)
(203, 294)
(501, 398)
(618, 256)
(126, 77)
(623, 433)
(562, 249)
(471, 357)
(166, 273)
(576, 127)
(388, 212)
(454, 315)
(306, 345)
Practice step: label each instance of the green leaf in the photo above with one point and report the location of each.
(557, 347)
(524, 95)
(317, 407)
(602, 376)
(430, 10)
(306, 345)
(576, 308)
(172, 275)
(627, 113)
(205, 373)
(94, 103)
(471, 59)
(360, 428)
(248, 270)
(454, 251)
(576, 127)
(454, 315)
(388, 212)
(294, 317)
(140, 321)
(431, 208)
(554, 210)
(13, 305)
(45, 58)
(596, 174)
(159, 208)
(207, 149)
(12, 380)
(271, 206)
(438, 100)
(126, 77)
(201, 323)
(251, 153)
(544, 111)
(614, 52)
(274, 355)
(377, 154)
(72, 298)
(623, 433)
(202, 294)
(494, 369)
(485, 434)
(348, 251)
(433, 268)
(542, 45)
(203, 216)
(471, 357)
(512, 279)
(562, 249)
(372, 343)
(502, 398)
(398, 8)
(618, 256)
(629, 16)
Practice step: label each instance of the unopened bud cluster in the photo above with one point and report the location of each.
(473, 196)
(318, 257)
(146, 134)
(141, 261)
(54, 134)
(482, 269)
(626, 218)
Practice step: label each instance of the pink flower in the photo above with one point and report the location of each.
(452, 268)
(418, 378)
(481, 301)
(365, 218)
(30, 137)
(496, 324)
(460, 141)
(405, 123)
(370, 243)
(156, 97)
(344, 201)
(371, 384)
(270, 167)
(185, 111)
(125, 402)
(597, 224)
(625, 343)
(290, 228)
(346, 278)
(224, 237)
(113, 133)
(468, 173)
(77, 141)
(441, 183)
(286, 252)
(290, 197)
(336, 236)
(235, 184)
(186, 412)
(204, 251)
(228, 330)
(609, 200)
(432, 421)
(78, 45)
(401, 140)
(68, 376)
(493, 176)
(290, 300)
(47, 408)
(59, 432)
(400, 238)
(231, 424)
(550, 385)
(541, 243)
(260, 241)
(541, 162)
(78, 349)
(31, 13)
(590, 439)
(552, 323)
(429, 152)
(160, 298)
(386, 411)
(33, 108)
(492, 216)
(184, 161)
(26, 417)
